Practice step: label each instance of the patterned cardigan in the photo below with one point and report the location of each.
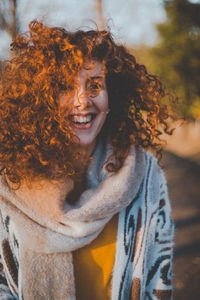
(143, 262)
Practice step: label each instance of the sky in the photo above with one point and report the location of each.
(132, 22)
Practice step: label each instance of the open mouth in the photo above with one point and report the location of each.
(82, 121)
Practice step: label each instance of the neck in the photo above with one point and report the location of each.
(80, 177)
(85, 151)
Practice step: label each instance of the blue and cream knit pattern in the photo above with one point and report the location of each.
(143, 262)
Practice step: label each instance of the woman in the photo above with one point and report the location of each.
(84, 209)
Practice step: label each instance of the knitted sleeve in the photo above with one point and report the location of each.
(5, 293)
(161, 232)
(8, 263)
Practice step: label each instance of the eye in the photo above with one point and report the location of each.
(94, 86)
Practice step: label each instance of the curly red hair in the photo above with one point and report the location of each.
(34, 137)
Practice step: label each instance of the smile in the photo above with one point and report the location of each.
(82, 121)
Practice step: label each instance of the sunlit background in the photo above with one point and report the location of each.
(132, 22)
(165, 36)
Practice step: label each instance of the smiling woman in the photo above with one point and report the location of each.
(89, 105)
(84, 207)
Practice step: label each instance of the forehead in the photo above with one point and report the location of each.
(92, 69)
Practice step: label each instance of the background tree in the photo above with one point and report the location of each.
(100, 14)
(8, 17)
(177, 55)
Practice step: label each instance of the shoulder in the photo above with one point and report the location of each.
(152, 165)
(153, 191)
(154, 174)
(156, 199)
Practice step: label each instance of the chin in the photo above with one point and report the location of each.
(87, 144)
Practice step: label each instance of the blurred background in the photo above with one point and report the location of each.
(164, 35)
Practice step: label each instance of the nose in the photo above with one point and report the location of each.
(81, 99)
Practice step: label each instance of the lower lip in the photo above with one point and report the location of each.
(83, 126)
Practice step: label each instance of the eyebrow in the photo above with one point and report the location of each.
(96, 77)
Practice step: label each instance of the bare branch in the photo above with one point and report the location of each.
(8, 17)
(100, 14)
(14, 28)
(4, 15)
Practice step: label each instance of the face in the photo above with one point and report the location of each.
(89, 105)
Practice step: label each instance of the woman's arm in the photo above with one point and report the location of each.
(5, 293)
(159, 277)
(7, 261)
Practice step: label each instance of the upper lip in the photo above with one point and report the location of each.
(82, 114)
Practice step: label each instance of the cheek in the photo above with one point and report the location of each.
(101, 102)
(65, 101)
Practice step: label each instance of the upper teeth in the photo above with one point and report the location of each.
(81, 119)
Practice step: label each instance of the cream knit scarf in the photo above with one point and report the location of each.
(47, 240)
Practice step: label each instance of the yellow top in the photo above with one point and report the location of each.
(93, 265)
